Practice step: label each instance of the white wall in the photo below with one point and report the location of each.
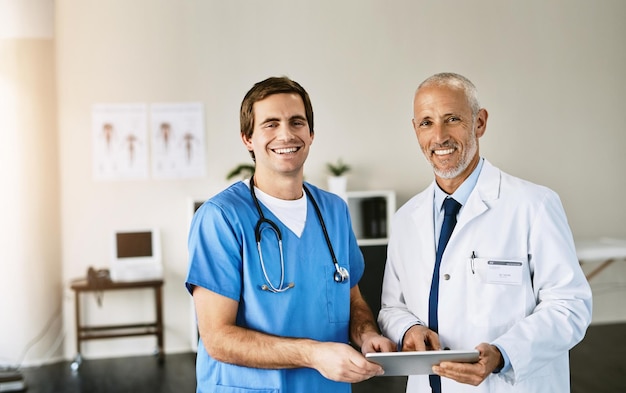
(550, 74)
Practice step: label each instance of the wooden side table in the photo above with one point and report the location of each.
(93, 332)
(605, 250)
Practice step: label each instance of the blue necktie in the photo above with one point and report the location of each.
(451, 209)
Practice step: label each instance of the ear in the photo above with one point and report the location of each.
(247, 142)
(481, 122)
(415, 128)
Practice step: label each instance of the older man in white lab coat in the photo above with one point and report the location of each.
(509, 281)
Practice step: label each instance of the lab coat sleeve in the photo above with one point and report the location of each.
(562, 294)
(394, 317)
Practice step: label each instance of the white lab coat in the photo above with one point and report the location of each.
(537, 317)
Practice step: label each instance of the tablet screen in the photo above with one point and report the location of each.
(417, 363)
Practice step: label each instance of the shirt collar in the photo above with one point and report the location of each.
(462, 193)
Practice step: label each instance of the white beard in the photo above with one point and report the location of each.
(463, 163)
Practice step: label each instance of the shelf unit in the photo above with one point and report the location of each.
(355, 200)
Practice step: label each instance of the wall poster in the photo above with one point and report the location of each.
(178, 143)
(120, 141)
(123, 145)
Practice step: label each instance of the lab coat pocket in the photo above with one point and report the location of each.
(337, 297)
(496, 296)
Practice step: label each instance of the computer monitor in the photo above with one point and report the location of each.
(136, 256)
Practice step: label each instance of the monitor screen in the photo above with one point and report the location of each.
(136, 255)
(134, 244)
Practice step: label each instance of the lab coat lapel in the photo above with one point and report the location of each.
(423, 222)
(487, 189)
(422, 233)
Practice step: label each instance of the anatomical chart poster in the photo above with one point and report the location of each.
(178, 142)
(120, 141)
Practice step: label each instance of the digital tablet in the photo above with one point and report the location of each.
(421, 362)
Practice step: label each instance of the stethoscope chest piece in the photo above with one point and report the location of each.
(341, 274)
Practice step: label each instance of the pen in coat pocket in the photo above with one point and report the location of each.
(472, 261)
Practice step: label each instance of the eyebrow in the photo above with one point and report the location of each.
(445, 115)
(269, 119)
(298, 117)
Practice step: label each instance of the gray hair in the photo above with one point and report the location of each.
(456, 81)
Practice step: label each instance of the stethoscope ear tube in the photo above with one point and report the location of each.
(258, 230)
(340, 275)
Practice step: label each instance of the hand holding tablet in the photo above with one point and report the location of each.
(420, 362)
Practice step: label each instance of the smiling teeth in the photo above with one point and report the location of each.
(286, 150)
(443, 152)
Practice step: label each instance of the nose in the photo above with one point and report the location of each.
(440, 134)
(284, 132)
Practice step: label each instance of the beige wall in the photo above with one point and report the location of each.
(30, 238)
(550, 74)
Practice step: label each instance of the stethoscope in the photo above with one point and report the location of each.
(341, 273)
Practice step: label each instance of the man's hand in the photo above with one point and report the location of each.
(377, 343)
(472, 373)
(420, 338)
(341, 362)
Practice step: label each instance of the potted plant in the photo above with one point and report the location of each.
(338, 168)
(338, 181)
(243, 171)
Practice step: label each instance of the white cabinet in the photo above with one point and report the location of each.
(371, 213)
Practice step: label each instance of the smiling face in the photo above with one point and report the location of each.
(281, 136)
(448, 133)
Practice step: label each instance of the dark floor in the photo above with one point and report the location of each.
(598, 364)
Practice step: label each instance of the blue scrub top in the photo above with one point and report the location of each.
(224, 259)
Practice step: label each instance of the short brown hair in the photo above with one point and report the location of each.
(266, 88)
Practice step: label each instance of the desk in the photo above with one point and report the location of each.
(603, 250)
(84, 332)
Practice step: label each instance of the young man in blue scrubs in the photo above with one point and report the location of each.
(275, 266)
